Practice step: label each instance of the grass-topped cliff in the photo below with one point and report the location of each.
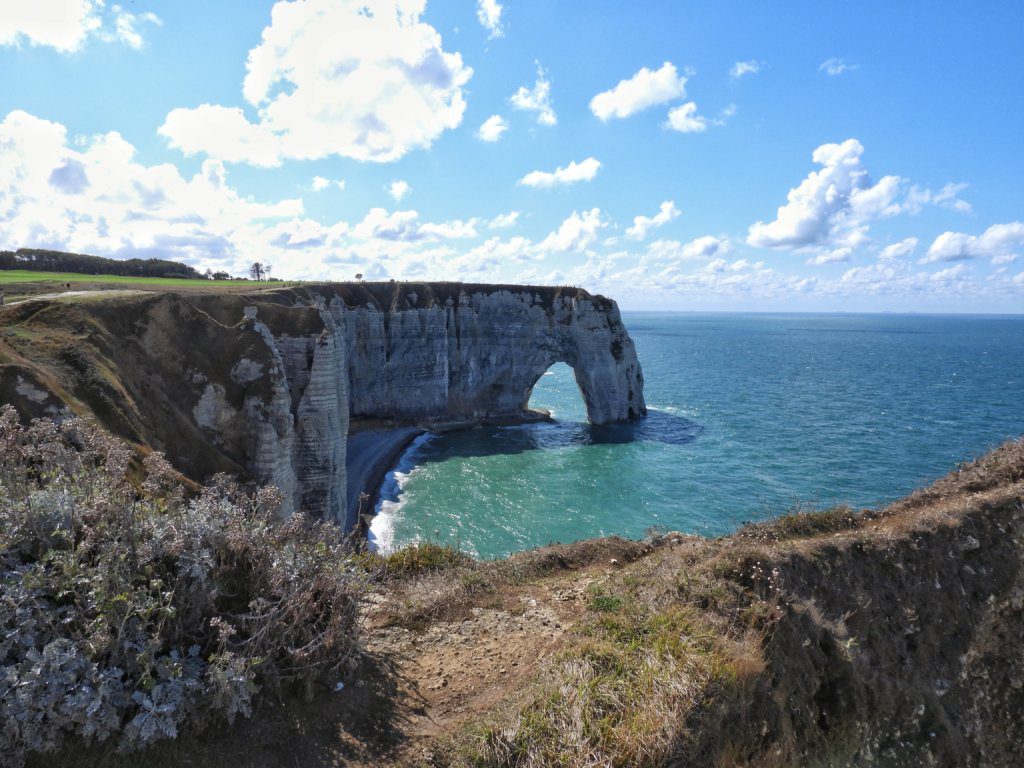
(840, 638)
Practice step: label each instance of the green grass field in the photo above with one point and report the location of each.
(14, 276)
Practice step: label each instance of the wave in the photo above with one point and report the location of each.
(380, 536)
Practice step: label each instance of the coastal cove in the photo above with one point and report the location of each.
(750, 416)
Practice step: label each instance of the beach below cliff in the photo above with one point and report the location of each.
(372, 451)
(376, 447)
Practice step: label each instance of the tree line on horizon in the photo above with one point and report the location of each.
(41, 260)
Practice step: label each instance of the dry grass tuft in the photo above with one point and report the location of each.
(645, 659)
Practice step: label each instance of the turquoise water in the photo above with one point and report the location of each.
(750, 416)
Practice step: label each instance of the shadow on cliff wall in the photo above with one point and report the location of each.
(658, 426)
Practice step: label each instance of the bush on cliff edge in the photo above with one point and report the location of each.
(128, 611)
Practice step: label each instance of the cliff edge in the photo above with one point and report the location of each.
(263, 385)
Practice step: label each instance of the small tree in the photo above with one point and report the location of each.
(359, 277)
(257, 271)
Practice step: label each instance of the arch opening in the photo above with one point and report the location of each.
(556, 391)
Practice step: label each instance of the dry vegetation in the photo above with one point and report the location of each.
(128, 612)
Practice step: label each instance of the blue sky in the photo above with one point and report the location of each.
(727, 156)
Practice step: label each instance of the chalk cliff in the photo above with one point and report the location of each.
(263, 385)
(447, 353)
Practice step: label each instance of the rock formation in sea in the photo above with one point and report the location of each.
(263, 385)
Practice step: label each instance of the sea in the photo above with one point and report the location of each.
(751, 416)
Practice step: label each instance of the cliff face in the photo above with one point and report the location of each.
(263, 385)
(476, 356)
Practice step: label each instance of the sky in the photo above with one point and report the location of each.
(736, 156)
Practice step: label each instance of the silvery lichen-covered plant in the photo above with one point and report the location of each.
(128, 610)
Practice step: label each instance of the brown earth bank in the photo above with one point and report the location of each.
(876, 638)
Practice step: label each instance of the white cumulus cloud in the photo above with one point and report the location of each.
(836, 66)
(66, 25)
(576, 233)
(399, 189)
(95, 197)
(585, 170)
(646, 88)
(685, 119)
(947, 197)
(504, 220)
(644, 224)
(705, 247)
(492, 128)
(405, 226)
(673, 251)
(723, 265)
(489, 14)
(833, 206)
(835, 256)
(999, 240)
(536, 99)
(741, 68)
(320, 183)
(126, 26)
(898, 250)
(223, 133)
(364, 79)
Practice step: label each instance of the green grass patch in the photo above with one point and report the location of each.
(800, 523)
(15, 276)
(414, 560)
(605, 603)
(635, 669)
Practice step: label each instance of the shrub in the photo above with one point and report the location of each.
(128, 611)
(415, 560)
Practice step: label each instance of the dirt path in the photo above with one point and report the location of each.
(453, 670)
(414, 684)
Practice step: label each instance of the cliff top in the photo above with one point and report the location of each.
(383, 295)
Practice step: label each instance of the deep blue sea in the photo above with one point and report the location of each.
(750, 416)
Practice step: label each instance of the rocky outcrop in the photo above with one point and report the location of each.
(475, 354)
(263, 385)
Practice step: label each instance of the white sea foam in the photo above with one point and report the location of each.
(380, 537)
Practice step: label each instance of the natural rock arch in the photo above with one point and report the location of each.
(587, 385)
(473, 354)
